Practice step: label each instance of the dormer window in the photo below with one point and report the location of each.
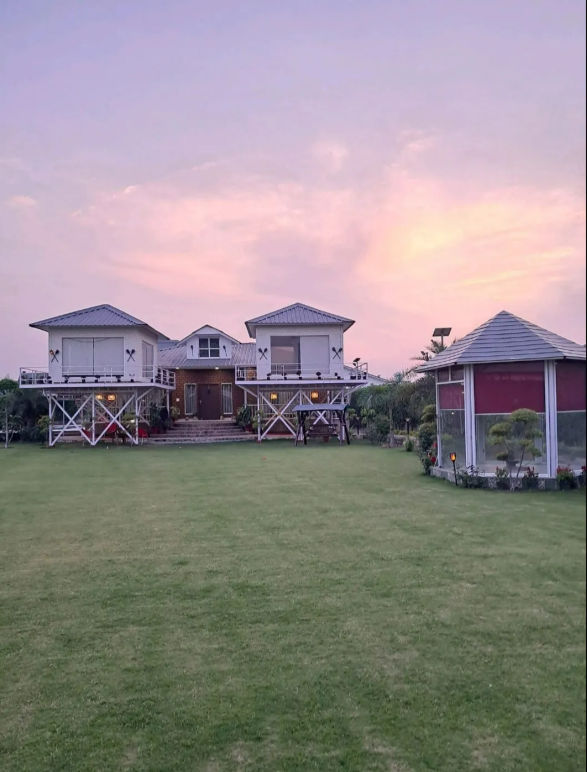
(209, 347)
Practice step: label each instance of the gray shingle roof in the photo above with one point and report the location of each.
(243, 354)
(506, 338)
(96, 316)
(297, 314)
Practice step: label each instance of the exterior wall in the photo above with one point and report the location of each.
(133, 339)
(203, 378)
(263, 341)
(570, 419)
(193, 347)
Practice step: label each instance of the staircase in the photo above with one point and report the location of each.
(191, 432)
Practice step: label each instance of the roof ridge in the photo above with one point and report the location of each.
(297, 304)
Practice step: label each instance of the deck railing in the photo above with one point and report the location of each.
(36, 376)
(293, 371)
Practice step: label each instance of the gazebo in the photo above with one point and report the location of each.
(505, 364)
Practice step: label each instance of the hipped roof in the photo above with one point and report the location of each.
(297, 314)
(104, 315)
(506, 338)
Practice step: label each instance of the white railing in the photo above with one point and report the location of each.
(36, 376)
(294, 371)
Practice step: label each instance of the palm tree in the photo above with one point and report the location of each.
(430, 351)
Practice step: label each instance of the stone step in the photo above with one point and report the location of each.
(166, 440)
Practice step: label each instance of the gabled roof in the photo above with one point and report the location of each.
(297, 314)
(506, 338)
(210, 327)
(96, 316)
(243, 354)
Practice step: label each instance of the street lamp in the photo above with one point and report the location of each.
(453, 458)
(408, 426)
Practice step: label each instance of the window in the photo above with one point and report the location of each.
(285, 354)
(209, 347)
(148, 360)
(93, 356)
(227, 398)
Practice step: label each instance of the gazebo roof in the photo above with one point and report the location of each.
(506, 338)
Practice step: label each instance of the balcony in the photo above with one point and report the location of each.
(295, 371)
(35, 377)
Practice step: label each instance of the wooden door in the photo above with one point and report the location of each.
(209, 401)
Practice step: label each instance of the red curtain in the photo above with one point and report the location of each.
(570, 385)
(504, 387)
(451, 396)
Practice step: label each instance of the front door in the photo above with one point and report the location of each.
(209, 401)
(190, 392)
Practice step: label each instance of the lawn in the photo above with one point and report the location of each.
(268, 607)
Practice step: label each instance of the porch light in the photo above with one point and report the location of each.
(111, 397)
(100, 396)
(314, 395)
(273, 397)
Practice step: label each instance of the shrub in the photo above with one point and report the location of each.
(243, 417)
(530, 479)
(502, 478)
(426, 436)
(428, 461)
(409, 445)
(469, 477)
(377, 429)
(565, 478)
(515, 438)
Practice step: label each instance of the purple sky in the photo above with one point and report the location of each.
(408, 164)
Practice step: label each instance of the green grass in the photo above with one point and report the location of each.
(272, 608)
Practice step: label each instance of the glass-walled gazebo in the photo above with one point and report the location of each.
(503, 365)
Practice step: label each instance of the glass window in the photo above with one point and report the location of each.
(148, 360)
(571, 438)
(93, 356)
(227, 398)
(209, 347)
(451, 427)
(487, 459)
(285, 353)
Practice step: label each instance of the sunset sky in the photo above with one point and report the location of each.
(408, 164)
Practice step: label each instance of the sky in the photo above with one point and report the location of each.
(406, 164)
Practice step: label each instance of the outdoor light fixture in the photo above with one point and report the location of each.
(273, 397)
(453, 458)
(314, 395)
(100, 396)
(111, 397)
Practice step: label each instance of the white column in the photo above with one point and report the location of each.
(470, 437)
(93, 418)
(51, 414)
(258, 415)
(550, 409)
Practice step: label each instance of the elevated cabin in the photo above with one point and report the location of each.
(299, 359)
(102, 367)
(298, 342)
(505, 364)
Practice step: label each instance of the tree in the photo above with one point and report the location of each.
(434, 348)
(516, 439)
(8, 400)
